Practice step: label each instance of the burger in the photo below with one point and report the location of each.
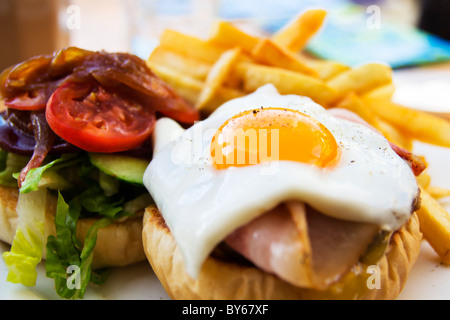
(274, 197)
(75, 129)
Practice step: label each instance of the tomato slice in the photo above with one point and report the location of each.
(36, 100)
(96, 120)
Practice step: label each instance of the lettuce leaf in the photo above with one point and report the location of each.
(48, 174)
(29, 240)
(65, 253)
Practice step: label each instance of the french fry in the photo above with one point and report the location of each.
(424, 179)
(438, 193)
(435, 225)
(184, 64)
(415, 123)
(354, 103)
(361, 79)
(296, 34)
(385, 92)
(216, 78)
(325, 69)
(269, 53)
(191, 46)
(190, 88)
(286, 81)
(187, 87)
(227, 35)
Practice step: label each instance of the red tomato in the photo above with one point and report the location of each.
(28, 101)
(87, 116)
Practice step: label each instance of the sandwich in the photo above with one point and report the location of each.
(75, 139)
(274, 197)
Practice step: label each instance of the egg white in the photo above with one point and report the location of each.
(201, 205)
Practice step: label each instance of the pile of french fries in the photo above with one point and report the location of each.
(232, 63)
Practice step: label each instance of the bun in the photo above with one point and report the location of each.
(119, 244)
(230, 281)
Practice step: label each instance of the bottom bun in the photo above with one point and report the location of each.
(119, 244)
(220, 280)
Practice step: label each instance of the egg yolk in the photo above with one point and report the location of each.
(273, 134)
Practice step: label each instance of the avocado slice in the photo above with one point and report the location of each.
(124, 168)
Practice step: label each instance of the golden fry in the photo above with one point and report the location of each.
(269, 53)
(190, 88)
(191, 46)
(227, 35)
(186, 86)
(385, 92)
(438, 193)
(216, 78)
(353, 103)
(287, 82)
(325, 69)
(435, 225)
(361, 79)
(185, 65)
(424, 180)
(296, 34)
(417, 124)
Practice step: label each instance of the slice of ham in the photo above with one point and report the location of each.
(302, 246)
(336, 245)
(278, 243)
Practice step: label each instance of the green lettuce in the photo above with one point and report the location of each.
(29, 240)
(65, 253)
(47, 175)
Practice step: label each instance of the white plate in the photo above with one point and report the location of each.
(429, 280)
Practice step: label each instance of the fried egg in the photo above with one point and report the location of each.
(257, 151)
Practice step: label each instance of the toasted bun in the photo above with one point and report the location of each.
(119, 244)
(229, 281)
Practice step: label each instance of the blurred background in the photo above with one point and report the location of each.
(398, 32)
